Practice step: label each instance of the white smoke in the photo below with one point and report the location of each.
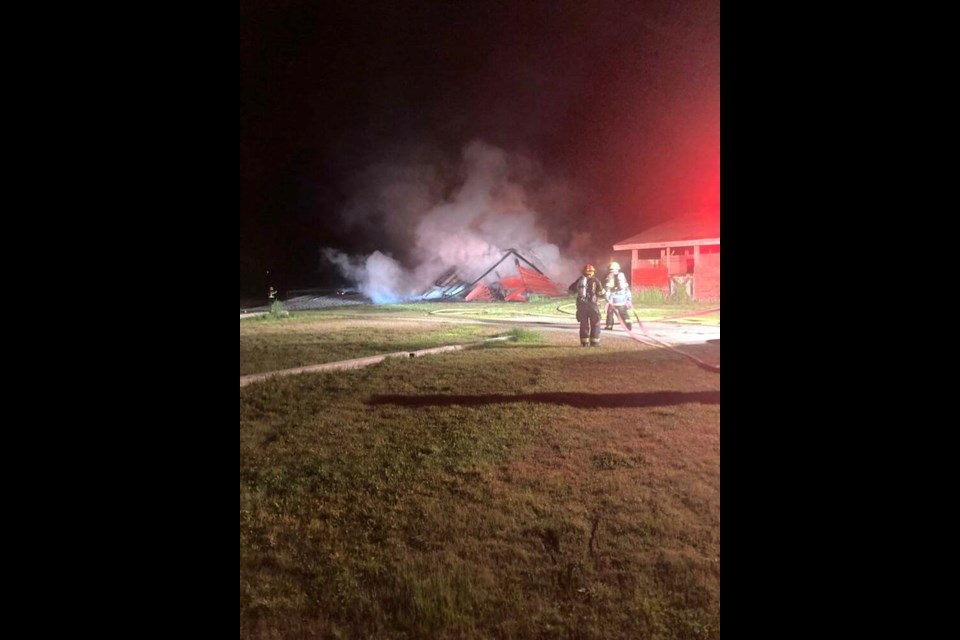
(466, 222)
(377, 276)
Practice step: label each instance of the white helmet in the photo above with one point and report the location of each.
(614, 266)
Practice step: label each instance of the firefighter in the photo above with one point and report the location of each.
(619, 299)
(589, 292)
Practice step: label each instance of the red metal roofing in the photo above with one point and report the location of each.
(480, 292)
(674, 231)
(539, 283)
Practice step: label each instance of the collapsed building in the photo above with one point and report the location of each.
(517, 285)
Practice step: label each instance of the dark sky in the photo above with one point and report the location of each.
(619, 100)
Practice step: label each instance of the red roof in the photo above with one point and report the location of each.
(692, 230)
(539, 283)
(480, 292)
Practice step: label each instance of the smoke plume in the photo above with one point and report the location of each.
(429, 217)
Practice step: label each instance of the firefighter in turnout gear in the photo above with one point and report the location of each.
(619, 299)
(589, 292)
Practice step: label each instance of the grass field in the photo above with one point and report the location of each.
(530, 489)
(316, 338)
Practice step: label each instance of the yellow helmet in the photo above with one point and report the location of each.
(614, 266)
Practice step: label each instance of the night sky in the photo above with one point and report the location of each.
(358, 118)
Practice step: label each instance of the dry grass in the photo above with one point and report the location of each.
(305, 339)
(516, 491)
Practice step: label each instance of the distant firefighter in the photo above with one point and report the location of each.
(619, 298)
(589, 291)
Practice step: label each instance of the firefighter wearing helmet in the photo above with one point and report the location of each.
(619, 299)
(589, 292)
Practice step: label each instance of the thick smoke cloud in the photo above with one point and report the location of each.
(429, 217)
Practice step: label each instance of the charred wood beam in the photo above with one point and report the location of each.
(532, 266)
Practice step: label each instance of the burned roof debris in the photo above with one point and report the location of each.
(527, 281)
